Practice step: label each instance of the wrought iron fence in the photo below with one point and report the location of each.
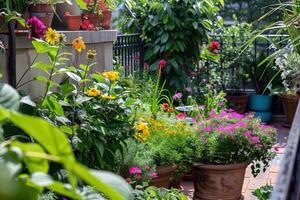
(129, 52)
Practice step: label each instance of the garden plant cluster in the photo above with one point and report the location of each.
(104, 135)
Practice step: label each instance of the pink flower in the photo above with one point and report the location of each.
(220, 104)
(138, 176)
(153, 175)
(212, 113)
(86, 25)
(135, 170)
(163, 63)
(177, 95)
(208, 129)
(37, 28)
(214, 45)
(181, 116)
(146, 67)
(202, 107)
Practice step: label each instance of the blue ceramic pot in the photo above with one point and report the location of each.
(260, 102)
(264, 116)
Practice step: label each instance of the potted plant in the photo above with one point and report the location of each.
(288, 63)
(73, 21)
(92, 12)
(44, 9)
(107, 7)
(237, 100)
(226, 144)
(264, 77)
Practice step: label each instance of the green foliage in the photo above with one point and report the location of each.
(48, 1)
(51, 146)
(264, 192)
(171, 30)
(159, 194)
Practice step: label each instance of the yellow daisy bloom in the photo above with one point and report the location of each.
(143, 130)
(78, 44)
(93, 92)
(108, 97)
(51, 36)
(111, 75)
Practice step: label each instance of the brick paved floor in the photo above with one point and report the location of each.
(262, 179)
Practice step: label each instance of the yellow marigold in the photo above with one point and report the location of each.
(108, 97)
(143, 131)
(78, 44)
(93, 92)
(51, 36)
(111, 75)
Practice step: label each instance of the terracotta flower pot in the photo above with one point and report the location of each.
(106, 19)
(213, 182)
(44, 12)
(290, 103)
(164, 174)
(73, 22)
(238, 102)
(93, 18)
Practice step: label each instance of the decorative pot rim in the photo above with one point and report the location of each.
(289, 96)
(221, 166)
(261, 95)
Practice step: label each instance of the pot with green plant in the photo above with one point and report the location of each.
(227, 143)
(264, 77)
(288, 63)
(44, 9)
(169, 141)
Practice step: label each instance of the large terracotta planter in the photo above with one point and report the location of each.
(290, 103)
(106, 19)
(214, 182)
(164, 174)
(238, 102)
(44, 12)
(73, 22)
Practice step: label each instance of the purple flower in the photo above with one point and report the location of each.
(220, 104)
(208, 129)
(37, 28)
(177, 95)
(189, 90)
(202, 107)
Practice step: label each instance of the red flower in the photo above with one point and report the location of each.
(181, 116)
(146, 66)
(214, 45)
(163, 63)
(86, 25)
(165, 106)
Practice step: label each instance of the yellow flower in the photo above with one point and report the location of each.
(111, 75)
(78, 44)
(108, 97)
(51, 36)
(93, 92)
(91, 54)
(143, 130)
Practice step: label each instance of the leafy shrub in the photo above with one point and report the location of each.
(159, 194)
(172, 31)
(264, 192)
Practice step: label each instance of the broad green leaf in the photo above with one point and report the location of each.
(165, 37)
(52, 104)
(74, 76)
(43, 47)
(104, 182)
(47, 135)
(27, 100)
(81, 4)
(34, 164)
(9, 97)
(43, 66)
(82, 99)
(67, 89)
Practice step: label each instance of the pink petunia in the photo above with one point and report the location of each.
(135, 170)
(153, 175)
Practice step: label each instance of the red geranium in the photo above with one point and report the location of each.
(214, 45)
(162, 63)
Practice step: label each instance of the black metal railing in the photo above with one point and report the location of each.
(288, 182)
(129, 52)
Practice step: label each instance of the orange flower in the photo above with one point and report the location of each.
(78, 44)
(165, 106)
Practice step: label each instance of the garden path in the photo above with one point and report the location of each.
(251, 183)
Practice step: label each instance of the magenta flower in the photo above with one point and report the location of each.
(135, 170)
(153, 175)
(181, 116)
(220, 104)
(208, 129)
(163, 63)
(178, 95)
(37, 28)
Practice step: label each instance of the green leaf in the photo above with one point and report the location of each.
(165, 37)
(53, 105)
(47, 135)
(74, 76)
(67, 89)
(9, 97)
(82, 99)
(81, 4)
(34, 164)
(43, 66)
(43, 47)
(104, 182)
